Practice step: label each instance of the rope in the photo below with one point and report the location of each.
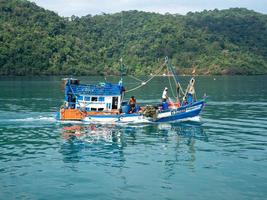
(186, 91)
(181, 89)
(145, 82)
(136, 78)
(177, 84)
(171, 86)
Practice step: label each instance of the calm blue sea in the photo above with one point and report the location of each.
(221, 156)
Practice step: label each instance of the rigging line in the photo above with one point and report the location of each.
(134, 88)
(186, 91)
(136, 78)
(178, 88)
(145, 82)
(178, 84)
(183, 94)
(169, 78)
(181, 89)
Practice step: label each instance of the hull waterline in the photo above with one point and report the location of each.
(183, 113)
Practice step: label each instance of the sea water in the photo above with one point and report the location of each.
(222, 155)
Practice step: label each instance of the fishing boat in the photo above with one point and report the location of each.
(104, 102)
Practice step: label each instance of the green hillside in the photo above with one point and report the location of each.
(37, 41)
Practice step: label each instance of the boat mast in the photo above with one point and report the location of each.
(173, 71)
(178, 87)
(122, 71)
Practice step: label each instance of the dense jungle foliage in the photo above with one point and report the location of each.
(35, 41)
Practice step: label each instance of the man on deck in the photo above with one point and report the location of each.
(164, 95)
(132, 102)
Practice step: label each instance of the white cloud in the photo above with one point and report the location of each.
(84, 7)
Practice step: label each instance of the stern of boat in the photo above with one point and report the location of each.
(70, 114)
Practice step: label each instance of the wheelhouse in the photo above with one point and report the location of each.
(100, 97)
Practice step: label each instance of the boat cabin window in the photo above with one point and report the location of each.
(94, 99)
(93, 109)
(87, 98)
(100, 109)
(101, 99)
(80, 98)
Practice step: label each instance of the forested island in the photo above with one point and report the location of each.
(35, 41)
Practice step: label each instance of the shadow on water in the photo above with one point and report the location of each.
(88, 142)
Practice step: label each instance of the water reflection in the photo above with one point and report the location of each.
(190, 130)
(91, 133)
(185, 137)
(84, 142)
(90, 142)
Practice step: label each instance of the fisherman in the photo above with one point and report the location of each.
(132, 102)
(191, 91)
(164, 95)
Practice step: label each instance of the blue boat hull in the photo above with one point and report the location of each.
(182, 113)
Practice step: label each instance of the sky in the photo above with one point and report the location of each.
(79, 8)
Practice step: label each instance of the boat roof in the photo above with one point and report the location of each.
(101, 89)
